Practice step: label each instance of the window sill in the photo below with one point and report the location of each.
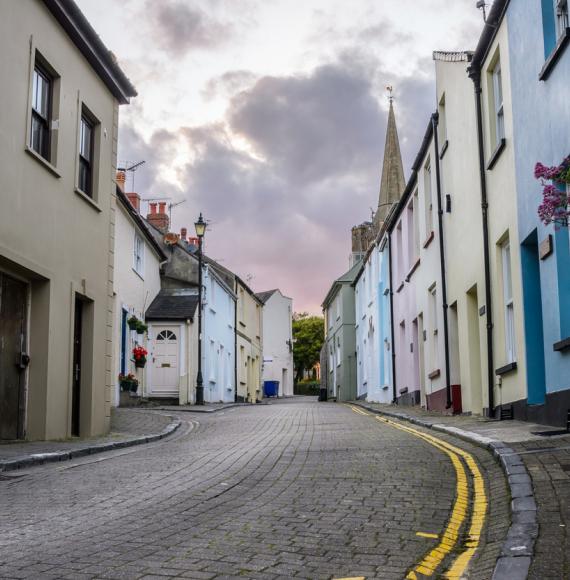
(561, 345)
(412, 270)
(399, 288)
(555, 55)
(443, 149)
(434, 374)
(508, 368)
(90, 201)
(429, 239)
(241, 323)
(138, 274)
(496, 154)
(51, 168)
(403, 391)
(385, 387)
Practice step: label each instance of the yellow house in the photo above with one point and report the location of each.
(249, 337)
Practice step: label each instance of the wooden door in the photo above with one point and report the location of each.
(13, 357)
(165, 362)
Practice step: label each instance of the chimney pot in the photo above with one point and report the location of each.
(121, 179)
(183, 234)
(135, 200)
(162, 207)
(153, 208)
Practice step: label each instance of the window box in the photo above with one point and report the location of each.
(555, 55)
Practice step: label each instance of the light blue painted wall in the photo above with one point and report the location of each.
(541, 119)
(218, 368)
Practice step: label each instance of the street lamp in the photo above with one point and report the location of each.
(200, 226)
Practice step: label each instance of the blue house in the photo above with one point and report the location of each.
(539, 56)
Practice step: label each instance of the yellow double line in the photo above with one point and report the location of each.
(450, 537)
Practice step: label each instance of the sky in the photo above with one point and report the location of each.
(269, 117)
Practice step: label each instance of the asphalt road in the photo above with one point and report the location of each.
(292, 489)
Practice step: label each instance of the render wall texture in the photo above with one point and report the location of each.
(56, 238)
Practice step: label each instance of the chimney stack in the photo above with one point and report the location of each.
(159, 219)
(121, 178)
(135, 200)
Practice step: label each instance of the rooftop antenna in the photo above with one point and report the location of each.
(132, 167)
(482, 5)
(390, 90)
(171, 205)
(248, 279)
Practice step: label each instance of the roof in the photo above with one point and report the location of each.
(83, 35)
(492, 24)
(172, 305)
(455, 56)
(141, 223)
(248, 289)
(347, 278)
(265, 296)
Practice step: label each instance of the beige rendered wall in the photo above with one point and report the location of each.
(463, 233)
(501, 190)
(57, 237)
(249, 344)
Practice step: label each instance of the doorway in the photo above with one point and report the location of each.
(76, 383)
(13, 356)
(284, 390)
(475, 386)
(165, 362)
(533, 327)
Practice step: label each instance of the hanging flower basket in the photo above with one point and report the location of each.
(139, 354)
(555, 206)
(133, 321)
(128, 383)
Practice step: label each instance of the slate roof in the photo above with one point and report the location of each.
(172, 305)
(347, 278)
(265, 296)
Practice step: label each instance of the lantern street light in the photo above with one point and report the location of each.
(200, 226)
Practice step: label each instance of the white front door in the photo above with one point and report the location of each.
(165, 376)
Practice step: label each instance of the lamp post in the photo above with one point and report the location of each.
(200, 226)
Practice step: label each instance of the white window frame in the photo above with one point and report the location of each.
(138, 255)
(499, 113)
(428, 198)
(561, 16)
(508, 304)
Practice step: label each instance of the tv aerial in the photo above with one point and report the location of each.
(132, 167)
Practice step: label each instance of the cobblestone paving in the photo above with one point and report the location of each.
(548, 464)
(294, 489)
(125, 423)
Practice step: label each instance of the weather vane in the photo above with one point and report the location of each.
(390, 89)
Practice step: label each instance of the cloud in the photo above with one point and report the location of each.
(179, 27)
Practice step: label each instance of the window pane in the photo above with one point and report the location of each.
(85, 139)
(40, 93)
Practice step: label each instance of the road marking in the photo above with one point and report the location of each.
(450, 536)
(427, 535)
(352, 578)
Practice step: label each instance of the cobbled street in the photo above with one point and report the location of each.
(289, 489)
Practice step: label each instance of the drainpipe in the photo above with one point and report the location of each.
(434, 121)
(475, 75)
(394, 397)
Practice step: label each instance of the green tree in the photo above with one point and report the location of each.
(308, 337)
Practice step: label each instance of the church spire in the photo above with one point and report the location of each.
(393, 183)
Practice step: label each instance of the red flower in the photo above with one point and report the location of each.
(139, 352)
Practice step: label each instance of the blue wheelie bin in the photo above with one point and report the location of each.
(271, 388)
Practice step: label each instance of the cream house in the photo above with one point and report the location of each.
(137, 261)
(58, 146)
(278, 340)
(249, 333)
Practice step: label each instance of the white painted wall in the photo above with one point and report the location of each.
(277, 337)
(132, 292)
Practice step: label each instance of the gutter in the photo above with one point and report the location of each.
(435, 121)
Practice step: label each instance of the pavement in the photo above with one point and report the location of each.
(546, 458)
(291, 489)
(129, 427)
